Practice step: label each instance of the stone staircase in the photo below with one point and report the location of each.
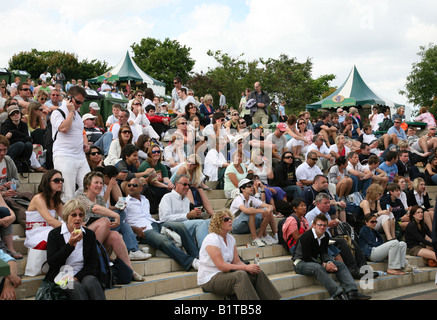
(167, 280)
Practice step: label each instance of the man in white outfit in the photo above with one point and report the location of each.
(71, 143)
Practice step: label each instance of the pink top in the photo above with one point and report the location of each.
(426, 117)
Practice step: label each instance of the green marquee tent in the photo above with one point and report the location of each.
(128, 70)
(354, 91)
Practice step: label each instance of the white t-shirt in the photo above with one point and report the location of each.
(71, 143)
(207, 268)
(180, 104)
(323, 149)
(305, 172)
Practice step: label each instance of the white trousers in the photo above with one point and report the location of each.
(73, 171)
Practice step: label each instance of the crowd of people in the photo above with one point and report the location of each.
(142, 176)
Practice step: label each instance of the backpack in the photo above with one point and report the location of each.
(385, 124)
(104, 271)
(23, 165)
(287, 243)
(49, 140)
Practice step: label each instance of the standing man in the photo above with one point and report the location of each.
(174, 93)
(59, 77)
(262, 102)
(71, 143)
(222, 100)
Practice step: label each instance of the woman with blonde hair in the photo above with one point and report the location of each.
(206, 109)
(222, 272)
(370, 205)
(419, 196)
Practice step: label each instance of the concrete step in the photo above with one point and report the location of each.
(293, 286)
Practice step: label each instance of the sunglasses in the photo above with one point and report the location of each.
(288, 157)
(132, 185)
(74, 215)
(156, 151)
(78, 101)
(184, 184)
(314, 159)
(250, 185)
(373, 221)
(183, 123)
(58, 180)
(227, 219)
(126, 131)
(95, 153)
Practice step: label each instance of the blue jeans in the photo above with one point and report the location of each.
(104, 142)
(20, 149)
(293, 192)
(360, 185)
(317, 271)
(198, 228)
(163, 243)
(129, 237)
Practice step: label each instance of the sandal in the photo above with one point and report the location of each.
(17, 256)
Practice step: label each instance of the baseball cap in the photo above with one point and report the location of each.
(87, 116)
(281, 126)
(94, 105)
(243, 182)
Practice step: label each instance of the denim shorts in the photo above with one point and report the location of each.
(241, 224)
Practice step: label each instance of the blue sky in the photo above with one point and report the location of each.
(380, 37)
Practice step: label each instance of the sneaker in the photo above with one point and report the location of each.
(137, 277)
(270, 240)
(258, 242)
(145, 249)
(196, 263)
(139, 255)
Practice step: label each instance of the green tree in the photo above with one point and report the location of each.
(163, 60)
(421, 85)
(36, 62)
(289, 80)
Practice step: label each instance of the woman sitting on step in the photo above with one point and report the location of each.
(45, 210)
(375, 249)
(222, 272)
(418, 237)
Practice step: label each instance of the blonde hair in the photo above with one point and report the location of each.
(72, 205)
(215, 226)
(416, 183)
(373, 191)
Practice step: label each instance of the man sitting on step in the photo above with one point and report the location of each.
(176, 207)
(312, 258)
(148, 230)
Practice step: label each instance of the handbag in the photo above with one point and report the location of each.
(48, 290)
(35, 260)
